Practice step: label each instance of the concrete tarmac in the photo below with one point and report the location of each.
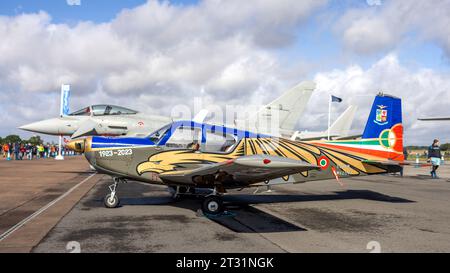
(383, 213)
(35, 195)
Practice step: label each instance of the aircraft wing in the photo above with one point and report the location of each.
(434, 119)
(246, 169)
(86, 128)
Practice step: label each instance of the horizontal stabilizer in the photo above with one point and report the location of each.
(434, 119)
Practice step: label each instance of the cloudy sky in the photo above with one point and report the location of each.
(154, 55)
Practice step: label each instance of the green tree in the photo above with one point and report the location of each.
(445, 147)
(12, 139)
(35, 140)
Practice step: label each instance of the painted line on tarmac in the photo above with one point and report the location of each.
(41, 210)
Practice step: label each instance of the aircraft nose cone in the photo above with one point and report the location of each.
(77, 145)
(39, 127)
(49, 126)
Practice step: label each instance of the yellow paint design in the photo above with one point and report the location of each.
(171, 162)
(167, 162)
(356, 163)
(308, 147)
(343, 166)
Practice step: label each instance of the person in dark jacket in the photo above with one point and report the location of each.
(434, 156)
(16, 151)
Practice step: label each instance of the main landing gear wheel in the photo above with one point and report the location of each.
(111, 201)
(212, 205)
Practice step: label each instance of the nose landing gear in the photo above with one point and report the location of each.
(112, 200)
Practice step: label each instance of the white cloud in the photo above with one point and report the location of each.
(424, 93)
(376, 29)
(157, 53)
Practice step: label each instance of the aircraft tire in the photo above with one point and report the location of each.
(114, 203)
(212, 205)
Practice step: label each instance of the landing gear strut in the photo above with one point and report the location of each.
(179, 191)
(112, 200)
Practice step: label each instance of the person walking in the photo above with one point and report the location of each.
(434, 156)
(16, 151)
(22, 151)
(41, 150)
(34, 151)
(5, 150)
(52, 151)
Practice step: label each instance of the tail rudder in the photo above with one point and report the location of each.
(384, 127)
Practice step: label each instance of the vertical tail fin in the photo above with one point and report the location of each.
(342, 125)
(290, 106)
(385, 125)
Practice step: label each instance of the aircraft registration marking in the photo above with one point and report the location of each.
(122, 152)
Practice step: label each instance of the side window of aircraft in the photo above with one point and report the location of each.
(83, 112)
(184, 138)
(218, 142)
(116, 110)
(98, 110)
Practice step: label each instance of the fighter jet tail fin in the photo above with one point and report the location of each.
(289, 107)
(201, 116)
(291, 104)
(341, 126)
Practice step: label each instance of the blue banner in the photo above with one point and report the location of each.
(65, 96)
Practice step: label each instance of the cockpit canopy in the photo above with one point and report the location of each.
(103, 110)
(211, 138)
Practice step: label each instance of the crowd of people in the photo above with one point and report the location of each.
(28, 151)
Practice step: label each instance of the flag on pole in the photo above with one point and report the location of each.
(65, 96)
(335, 99)
(332, 99)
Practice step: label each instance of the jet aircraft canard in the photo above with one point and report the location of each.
(186, 155)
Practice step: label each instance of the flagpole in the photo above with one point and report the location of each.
(62, 111)
(329, 117)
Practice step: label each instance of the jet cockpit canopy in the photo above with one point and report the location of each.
(103, 110)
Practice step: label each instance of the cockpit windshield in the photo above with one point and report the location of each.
(83, 112)
(156, 136)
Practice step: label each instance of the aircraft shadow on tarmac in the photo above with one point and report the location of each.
(242, 217)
